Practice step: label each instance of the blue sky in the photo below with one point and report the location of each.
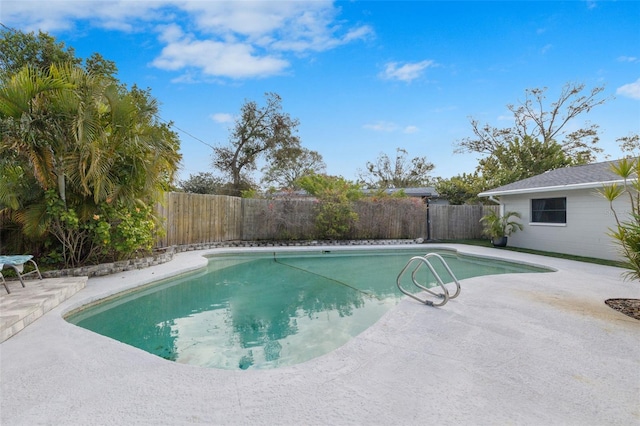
(363, 77)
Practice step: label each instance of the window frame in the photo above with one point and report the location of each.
(546, 216)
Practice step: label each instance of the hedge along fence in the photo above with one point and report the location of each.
(196, 218)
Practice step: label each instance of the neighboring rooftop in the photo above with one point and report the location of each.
(586, 176)
(425, 192)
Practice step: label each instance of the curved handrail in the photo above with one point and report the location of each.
(424, 260)
(449, 271)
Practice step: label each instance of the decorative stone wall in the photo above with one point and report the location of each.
(166, 254)
(249, 244)
(114, 267)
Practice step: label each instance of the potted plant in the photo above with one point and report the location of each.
(498, 228)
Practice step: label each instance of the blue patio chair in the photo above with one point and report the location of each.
(17, 264)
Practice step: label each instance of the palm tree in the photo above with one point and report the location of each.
(88, 140)
(27, 120)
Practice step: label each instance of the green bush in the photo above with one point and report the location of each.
(335, 219)
(125, 232)
(110, 232)
(496, 226)
(627, 231)
(335, 214)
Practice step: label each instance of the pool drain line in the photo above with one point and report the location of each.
(275, 259)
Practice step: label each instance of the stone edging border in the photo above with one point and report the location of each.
(166, 254)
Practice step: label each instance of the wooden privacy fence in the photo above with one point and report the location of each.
(277, 219)
(197, 218)
(390, 219)
(457, 222)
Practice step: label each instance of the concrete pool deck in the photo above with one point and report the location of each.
(525, 349)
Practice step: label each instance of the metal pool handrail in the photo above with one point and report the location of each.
(424, 260)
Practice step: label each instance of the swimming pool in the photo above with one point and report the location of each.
(267, 309)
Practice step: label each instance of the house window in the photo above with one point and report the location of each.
(549, 210)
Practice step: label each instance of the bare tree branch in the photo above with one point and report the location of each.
(535, 118)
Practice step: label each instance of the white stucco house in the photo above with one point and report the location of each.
(563, 212)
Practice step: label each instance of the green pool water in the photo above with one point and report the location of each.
(270, 309)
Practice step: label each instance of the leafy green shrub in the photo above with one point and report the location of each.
(125, 232)
(627, 231)
(112, 232)
(496, 226)
(335, 214)
(334, 219)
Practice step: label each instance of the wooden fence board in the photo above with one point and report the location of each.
(457, 222)
(198, 218)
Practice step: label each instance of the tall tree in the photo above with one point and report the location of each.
(18, 49)
(538, 141)
(397, 173)
(202, 183)
(96, 64)
(30, 126)
(287, 165)
(462, 189)
(87, 143)
(82, 156)
(80, 129)
(536, 119)
(630, 144)
(258, 132)
(520, 159)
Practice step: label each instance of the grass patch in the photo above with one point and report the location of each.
(487, 243)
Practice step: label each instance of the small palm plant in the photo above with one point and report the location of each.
(627, 231)
(498, 228)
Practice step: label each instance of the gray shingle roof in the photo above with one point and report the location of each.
(426, 191)
(577, 176)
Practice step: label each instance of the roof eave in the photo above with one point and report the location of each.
(588, 185)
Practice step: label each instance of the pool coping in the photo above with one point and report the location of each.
(379, 377)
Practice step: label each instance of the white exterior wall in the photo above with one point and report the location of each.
(589, 219)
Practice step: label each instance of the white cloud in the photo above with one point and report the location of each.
(170, 33)
(121, 15)
(631, 59)
(359, 33)
(293, 26)
(381, 126)
(631, 90)
(444, 109)
(250, 19)
(406, 72)
(387, 126)
(222, 117)
(215, 58)
(232, 39)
